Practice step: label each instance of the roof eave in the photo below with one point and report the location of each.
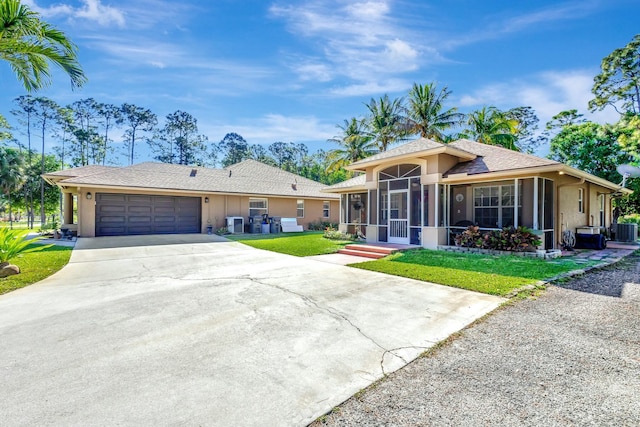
(559, 168)
(361, 165)
(344, 189)
(183, 190)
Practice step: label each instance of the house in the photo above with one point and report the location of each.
(160, 198)
(424, 192)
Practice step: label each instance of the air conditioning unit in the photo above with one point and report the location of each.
(235, 224)
(626, 232)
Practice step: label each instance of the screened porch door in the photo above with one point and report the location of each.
(399, 217)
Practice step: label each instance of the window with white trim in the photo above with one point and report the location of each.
(602, 204)
(300, 209)
(258, 207)
(494, 206)
(581, 200)
(326, 209)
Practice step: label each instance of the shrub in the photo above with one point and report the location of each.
(513, 239)
(469, 238)
(14, 243)
(222, 230)
(322, 225)
(629, 219)
(334, 234)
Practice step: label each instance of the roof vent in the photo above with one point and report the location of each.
(193, 172)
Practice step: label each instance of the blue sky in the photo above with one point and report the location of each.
(293, 70)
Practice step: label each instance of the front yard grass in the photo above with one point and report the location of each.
(35, 266)
(495, 275)
(306, 243)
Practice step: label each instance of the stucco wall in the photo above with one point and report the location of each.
(215, 211)
(569, 216)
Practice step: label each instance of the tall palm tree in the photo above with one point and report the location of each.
(11, 174)
(386, 122)
(355, 144)
(490, 126)
(29, 45)
(426, 114)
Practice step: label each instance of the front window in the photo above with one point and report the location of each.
(494, 206)
(326, 209)
(258, 207)
(300, 211)
(601, 203)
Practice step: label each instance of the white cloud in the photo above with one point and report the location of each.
(358, 41)
(372, 87)
(500, 26)
(91, 10)
(275, 127)
(548, 93)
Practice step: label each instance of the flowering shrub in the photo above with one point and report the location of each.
(513, 239)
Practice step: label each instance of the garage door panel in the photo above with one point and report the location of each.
(163, 210)
(113, 231)
(140, 219)
(134, 214)
(137, 210)
(139, 199)
(111, 219)
(112, 198)
(112, 208)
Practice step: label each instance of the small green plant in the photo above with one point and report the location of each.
(334, 234)
(222, 230)
(321, 225)
(14, 243)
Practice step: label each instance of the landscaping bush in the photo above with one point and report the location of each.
(335, 234)
(322, 225)
(629, 219)
(512, 239)
(470, 238)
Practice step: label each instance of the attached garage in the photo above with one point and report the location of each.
(137, 214)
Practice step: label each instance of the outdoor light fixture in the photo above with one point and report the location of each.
(206, 200)
(89, 196)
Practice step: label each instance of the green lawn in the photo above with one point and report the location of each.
(35, 266)
(299, 244)
(495, 275)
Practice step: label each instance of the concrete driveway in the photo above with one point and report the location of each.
(194, 330)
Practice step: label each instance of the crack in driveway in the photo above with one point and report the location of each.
(337, 315)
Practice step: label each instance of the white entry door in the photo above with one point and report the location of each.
(399, 217)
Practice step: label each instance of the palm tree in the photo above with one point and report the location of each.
(355, 144)
(11, 174)
(29, 45)
(490, 126)
(425, 112)
(386, 122)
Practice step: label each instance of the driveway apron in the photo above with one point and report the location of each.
(196, 330)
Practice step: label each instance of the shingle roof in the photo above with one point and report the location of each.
(248, 177)
(357, 181)
(421, 144)
(82, 170)
(494, 159)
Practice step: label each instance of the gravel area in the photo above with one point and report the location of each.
(570, 357)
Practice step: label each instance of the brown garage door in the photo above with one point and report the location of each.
(130, 214)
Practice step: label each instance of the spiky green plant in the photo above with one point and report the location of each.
(14, 243)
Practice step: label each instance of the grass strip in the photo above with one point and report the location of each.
(490, 274)
(35, 266)
(307, 243)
